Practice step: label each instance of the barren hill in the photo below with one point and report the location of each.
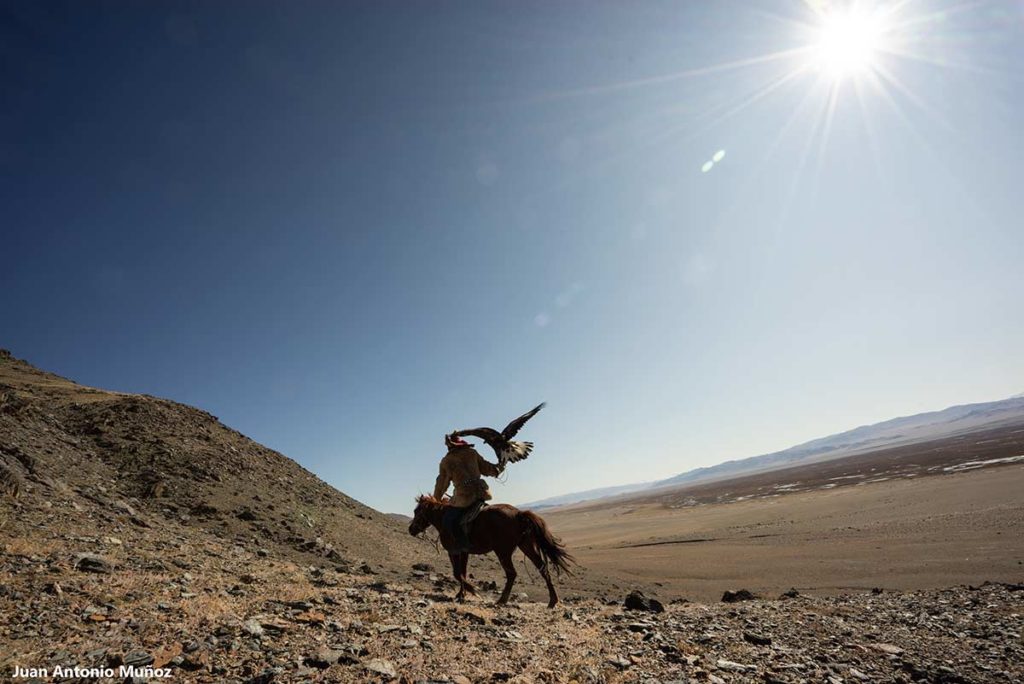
(123, 457)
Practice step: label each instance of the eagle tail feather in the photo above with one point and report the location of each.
(514, 452)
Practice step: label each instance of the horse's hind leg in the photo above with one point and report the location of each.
(510, 575)
(530, 549)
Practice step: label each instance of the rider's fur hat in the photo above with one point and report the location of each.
(450, 441)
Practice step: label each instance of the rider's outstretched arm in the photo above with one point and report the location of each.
(488, 468)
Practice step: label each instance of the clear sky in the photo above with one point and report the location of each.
(346, 228)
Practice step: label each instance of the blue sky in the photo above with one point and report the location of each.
(346, 228)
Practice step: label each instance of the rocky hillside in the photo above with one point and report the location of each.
(108, 458)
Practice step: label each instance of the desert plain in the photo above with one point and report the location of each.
(924, 516)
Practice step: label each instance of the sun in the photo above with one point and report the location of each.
(847, 43)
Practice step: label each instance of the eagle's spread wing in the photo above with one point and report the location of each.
(507, 450)
(512, 428)
(489, 435)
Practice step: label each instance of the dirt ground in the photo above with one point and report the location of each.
(961, 527)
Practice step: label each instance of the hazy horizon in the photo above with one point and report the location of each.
(697, 231)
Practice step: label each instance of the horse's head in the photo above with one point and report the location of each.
(421, 514)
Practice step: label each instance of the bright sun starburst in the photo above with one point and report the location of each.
(831, 55)
(848, 43)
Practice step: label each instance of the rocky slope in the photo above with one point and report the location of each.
(113, 457)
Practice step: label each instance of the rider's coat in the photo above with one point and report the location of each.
(463, 466)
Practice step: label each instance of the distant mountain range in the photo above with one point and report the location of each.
(895, 432)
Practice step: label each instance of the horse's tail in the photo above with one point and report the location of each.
(551, 548)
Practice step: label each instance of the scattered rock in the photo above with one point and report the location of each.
(637, 601)
(382, 667)
(736, 596)
(253, 628)
(87, 562)
(730, 666)
(204, 510)
(888, 649)
(323, 658)
(274, 627)
(246, 514)
(620, 662)
(790, 594)
(166, 655)
(310, 617)
(757, 639)
(11, 481)
(138, 659)
(468, 615)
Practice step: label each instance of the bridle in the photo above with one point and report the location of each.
(419, 523)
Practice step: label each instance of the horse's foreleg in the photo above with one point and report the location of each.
(456, 560)
(464, 566)
(510, 575)
(534, 555)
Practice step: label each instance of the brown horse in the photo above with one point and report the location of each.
(499, 528)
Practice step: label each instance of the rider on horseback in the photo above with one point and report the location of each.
(463, 466)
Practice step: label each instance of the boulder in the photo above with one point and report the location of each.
(88, 562)
(637, 601)
(736, 596)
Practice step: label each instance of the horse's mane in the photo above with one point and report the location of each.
(431, 502)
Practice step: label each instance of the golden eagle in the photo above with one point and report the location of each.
(507, 450)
